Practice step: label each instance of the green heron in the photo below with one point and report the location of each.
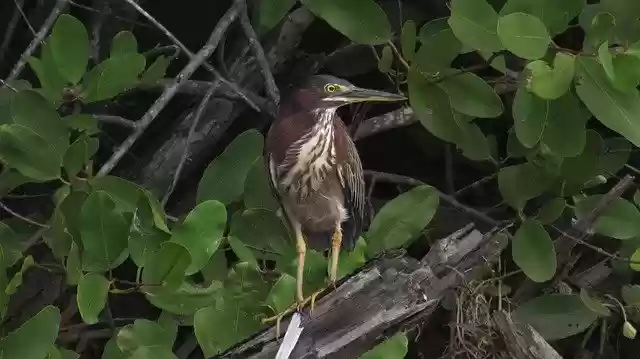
(315, 169)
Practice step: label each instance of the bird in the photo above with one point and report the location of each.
(315, 171)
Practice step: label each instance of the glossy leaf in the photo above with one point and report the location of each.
(187, 299)
(282, 293)
(556, 316)
(165, 270)
(35, 337)
(532, 250)
(620, 220)
(93, 289)
(524, 35)
(70, 47)
(530, 117)
(520, 183)
(104, 232)
(362, 21)
(474, 22)
(549, 83)
(33, 111)
(143, 245)
(471, 95)
(201, 233)
(29, 153)
(124, 43)
(272, 11)
(395, 347)
(615, 109)
(243, 252)
(403, 218)
(224, 178)
(408, 40)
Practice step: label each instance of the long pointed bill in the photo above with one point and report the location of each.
(366, 95)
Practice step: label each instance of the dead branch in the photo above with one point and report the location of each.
(521, 340)
(391, 293)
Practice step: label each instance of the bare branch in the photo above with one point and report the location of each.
(192, 130)
(116, 120)
(11, 27)
(171, 90)
(272, 89)
(21, 217)
(42, 33)
(19, 4)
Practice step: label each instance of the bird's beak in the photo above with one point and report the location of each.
(358, 94)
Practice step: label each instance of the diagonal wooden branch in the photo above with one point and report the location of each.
(171, 90)
(391, 293)
(38, 39)
(521, 340)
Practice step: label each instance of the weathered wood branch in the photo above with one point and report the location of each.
(391, 293)
(521, 340)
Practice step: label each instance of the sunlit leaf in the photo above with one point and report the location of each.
(70, 47)
(93, 289)
(550, 83)
(282, 293)
(524, 35)
(362, 21)
(402, 219)
(224, 178)
(556, 316)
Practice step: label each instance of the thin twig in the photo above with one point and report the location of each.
(24, 16)
(192, 130)
(171, 90)
(117, 120)
(272, 89)
(191, 55)
(37, 40)
(11, 27)
(394, 178)
(21, 217)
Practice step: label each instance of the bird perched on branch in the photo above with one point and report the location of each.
(315, 169)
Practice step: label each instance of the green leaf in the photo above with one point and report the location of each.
(471, 95)
(31, 110)
(386, 59)
(257, 190)
(263, 230)
(520, 183)
(556, 316)
(348, 262)
(402, 219)
(631, 294)
(532, 250)
(83, 123)
(408, 40)
(579, 169)
(439, 46)
(636, 198)
(524, 35)
(224, 178)
(282, 293)
(70, 47)
(144, 333)
(551, 210)
(93, 289)
(619, 220)
(124, 43)
(606, 60)
(187, 299)
(153, 209)
(35, 337)
(548, 83)
(16, 281)
(112, 77)
(566, 115)
(153, 353)
(362, 21)
(79, 154)
(156, 71)
(29, 153)
(123, 193)
(243, 252)
(143, 245)
(104, 232)
(627, 72)
(617, 151)
(58, 238)
(11, 247)
(73, 265)
(201, 232)
(51, 81)
(474, 22)
(474, 144)
(530, 117)
(600, 28)
(593, 304)
(272, 11)
(395, 347)
(216, 267)
(617, 110)
(165, 269)
(555, 15)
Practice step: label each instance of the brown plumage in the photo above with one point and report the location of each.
(315, 169)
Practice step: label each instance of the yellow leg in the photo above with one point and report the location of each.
(301, 246)
(336, 243)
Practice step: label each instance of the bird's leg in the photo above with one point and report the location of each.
(336, 243)
(301, 246)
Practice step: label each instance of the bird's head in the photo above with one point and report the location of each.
(325, 91)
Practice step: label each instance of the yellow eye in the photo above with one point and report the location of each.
(331, 88)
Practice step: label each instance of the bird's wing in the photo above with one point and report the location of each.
(352, 181)
(273, 184)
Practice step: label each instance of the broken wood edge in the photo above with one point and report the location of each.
(390, 293)
(521, 340)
